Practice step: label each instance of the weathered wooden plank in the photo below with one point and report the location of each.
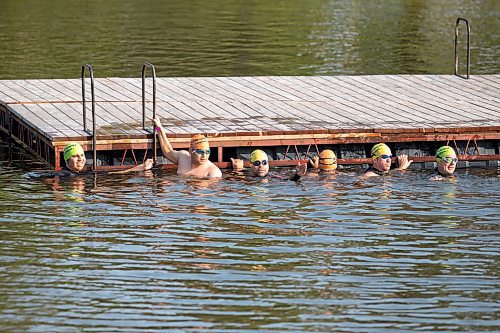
(259, 114)
(315, 111)
(412, 105)
(242, 106)
(389, 106)
(445, 95)
(419, 95)
(60, 91)
(468, 91)
(374, 108)
(345, 105)
(130, 87)
(17, 92)
(35, 119)
(235, 86)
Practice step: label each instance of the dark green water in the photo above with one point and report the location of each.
(51, 39)
(155, 253)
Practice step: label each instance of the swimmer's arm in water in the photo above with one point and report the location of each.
(148, 164)
(171, 154)
(301, 171)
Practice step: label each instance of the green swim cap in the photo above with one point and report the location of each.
(380, 149)
(72, 149)
(443, 152)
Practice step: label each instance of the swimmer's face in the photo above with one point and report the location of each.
(382, 163)
(260, 168)
(447, 165)
(200, 156)
(76, 162)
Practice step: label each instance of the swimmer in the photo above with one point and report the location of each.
(259, 166)
(192, 163)
(447, 160)
(326, 162)
(382, 160)
(74, 157)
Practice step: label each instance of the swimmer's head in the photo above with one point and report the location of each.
(74, 156)
(446, 159)
(259, 163)
(200, 149)
(445, 151)
(199, 141)
(381, 156)
(327, 160)
(380, 149)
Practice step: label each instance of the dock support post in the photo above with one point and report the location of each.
(220, 155)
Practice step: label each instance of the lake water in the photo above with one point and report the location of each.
(233, 37)
(152, 252)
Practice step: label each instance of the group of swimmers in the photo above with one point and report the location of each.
(195, 161)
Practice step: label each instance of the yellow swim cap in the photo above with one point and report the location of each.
(199, 141)
(72, 149)
(258, 155)
(327, 160)
(380, 149)
(445, 151)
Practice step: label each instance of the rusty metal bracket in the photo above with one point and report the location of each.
(125, 155)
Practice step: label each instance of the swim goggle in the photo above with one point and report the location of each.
(385, 156)
(258, 163)
(201, 151)
(334, 160)
(450, 159)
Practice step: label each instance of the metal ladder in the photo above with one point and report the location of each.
(93, 133)
(153, 76)
(457, 24)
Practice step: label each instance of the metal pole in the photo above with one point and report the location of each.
(94, 140)
(153, 75)
(456, 46)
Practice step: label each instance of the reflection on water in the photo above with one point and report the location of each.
(153, 252)
(53, 39)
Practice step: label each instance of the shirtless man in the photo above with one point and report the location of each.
(192, 163)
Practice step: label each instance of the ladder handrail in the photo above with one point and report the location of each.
(153, 75)
(94, 145)
(468, 46)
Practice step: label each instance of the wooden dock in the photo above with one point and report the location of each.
(236, 112)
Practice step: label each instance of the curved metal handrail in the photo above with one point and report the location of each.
(94, 145)
(457, 24)
(153, 75)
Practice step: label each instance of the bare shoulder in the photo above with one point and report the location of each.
(369, 174)
(214, 171)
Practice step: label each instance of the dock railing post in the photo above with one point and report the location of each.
(94, 143)
(153, 75)
(457, 24)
